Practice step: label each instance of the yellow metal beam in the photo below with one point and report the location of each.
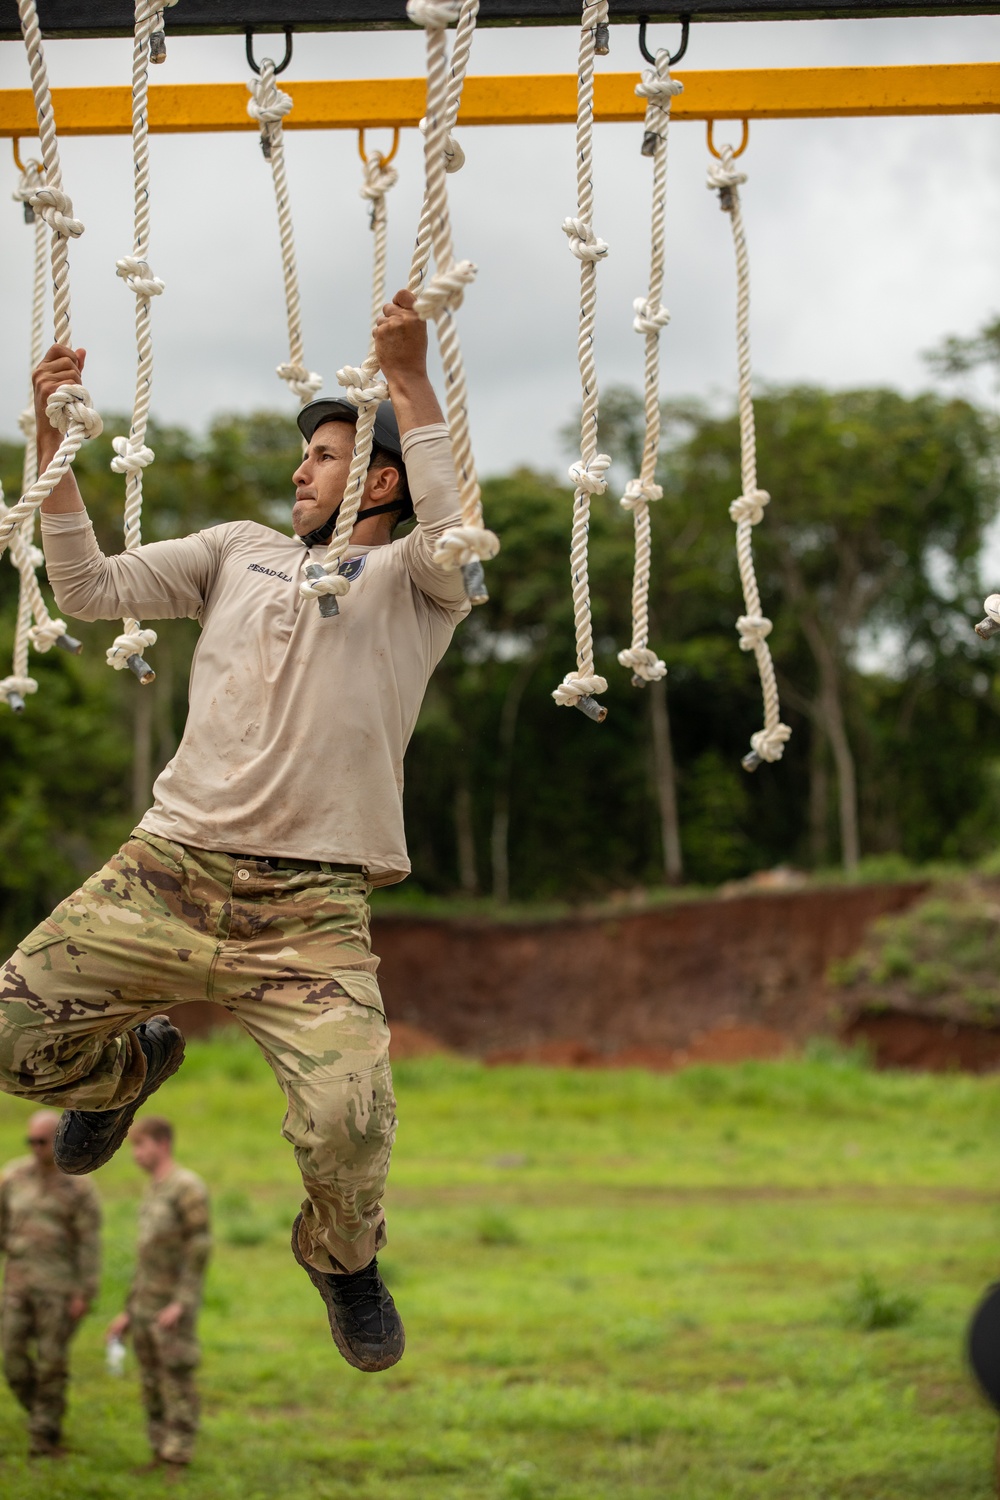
(540, 99)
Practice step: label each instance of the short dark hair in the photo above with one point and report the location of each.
(156, 1127)
(382, 459)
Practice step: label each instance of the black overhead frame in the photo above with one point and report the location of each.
(89, 18)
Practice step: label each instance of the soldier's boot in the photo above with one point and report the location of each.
(87, 1138)
(364, 1322)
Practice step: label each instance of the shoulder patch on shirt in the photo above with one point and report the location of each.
(350, 567)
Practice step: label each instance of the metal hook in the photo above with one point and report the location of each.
(280, 67)
(382, 160)
(650, 58)
(739, 150)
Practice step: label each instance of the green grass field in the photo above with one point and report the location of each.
(615, 1285)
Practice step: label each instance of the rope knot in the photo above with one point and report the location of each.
(326, 583)
(749, 507)
(132, 457)
(129, 643)
(435, 15)
(445, 289)
(268, 105)
(301, 382)
(34, 555)
(639, 492)
(650, 316)
(70, 405)
(656, 87)
(574, 687)
(723, 177)
(22, 686)
(359, 394)
(379, 178)
(44, 636)
(770, 743)
(465, 544)
(590, 476)
(583, 242)
(454, 156)
(26, 421)
(56, 208)
(138, 277)
(29, 182)
(754, 630)
(643, 662)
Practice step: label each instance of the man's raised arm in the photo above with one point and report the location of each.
(401, 343)
(163, 581)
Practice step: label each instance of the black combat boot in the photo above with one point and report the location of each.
(87, 1138)
(364, 1322)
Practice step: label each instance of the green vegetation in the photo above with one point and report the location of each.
(617, 1286)
(940, 957)
(868, 563)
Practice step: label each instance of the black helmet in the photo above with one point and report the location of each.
(338, 409)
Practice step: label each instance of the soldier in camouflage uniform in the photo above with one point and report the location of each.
(162, 1307)
(247, 881)
(50, 1228)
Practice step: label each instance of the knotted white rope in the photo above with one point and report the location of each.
(46, 631)
(380, 178)
(747, 509)
(268, 106)
(991, 624)
(578, 689)
(132, 455)
(437, 296)
(440, 295)
(651, 317)
(69, 408)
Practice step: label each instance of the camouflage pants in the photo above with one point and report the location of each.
(285, 950)
(36, 1333)
(167, 1362)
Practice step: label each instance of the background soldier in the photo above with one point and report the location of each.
(50, 1232)
(162, 1306)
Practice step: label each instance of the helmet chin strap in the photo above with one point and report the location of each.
(322, 534)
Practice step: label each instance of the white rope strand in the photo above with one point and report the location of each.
(132, 455)
(440, 295)
(437, 296)
(747, 510)
(380, 177)
(34, 625)
(268, 106)
(651, 317)
(579, 689)
(69, 408)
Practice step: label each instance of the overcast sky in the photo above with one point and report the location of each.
(869, 239)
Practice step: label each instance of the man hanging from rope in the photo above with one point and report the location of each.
(246, 883)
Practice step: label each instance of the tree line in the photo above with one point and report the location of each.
(869, 561)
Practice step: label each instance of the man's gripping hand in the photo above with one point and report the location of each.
(61, 366)
(401, 346)
(401, 339)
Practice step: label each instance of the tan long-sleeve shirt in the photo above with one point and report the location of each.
(297, 724)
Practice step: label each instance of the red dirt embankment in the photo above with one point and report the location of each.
(717, 980)
(710, 980)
